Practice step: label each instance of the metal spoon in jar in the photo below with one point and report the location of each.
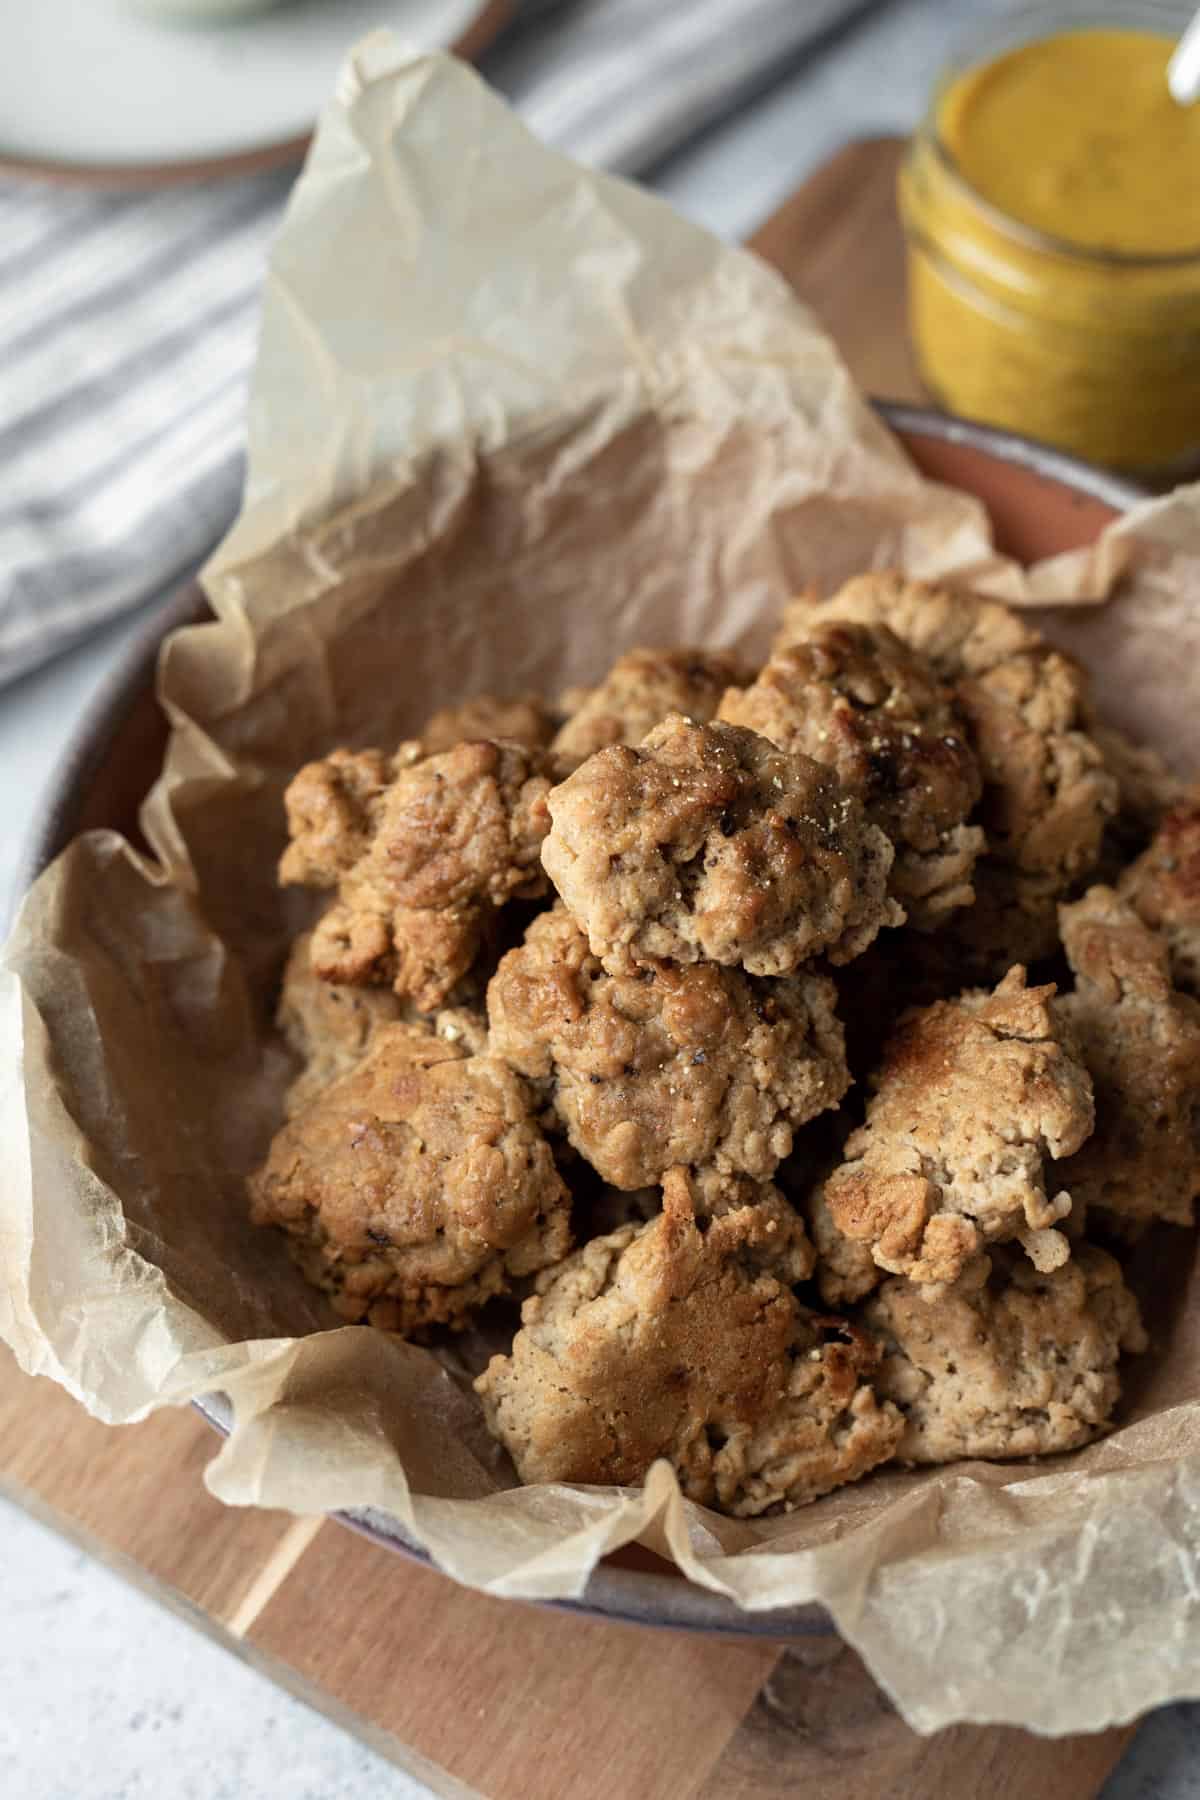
(1183, 70)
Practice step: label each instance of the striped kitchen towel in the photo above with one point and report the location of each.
(128, 321)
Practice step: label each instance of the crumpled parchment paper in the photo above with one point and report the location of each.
(510, 418)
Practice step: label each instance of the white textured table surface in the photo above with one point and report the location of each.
(105, 1696)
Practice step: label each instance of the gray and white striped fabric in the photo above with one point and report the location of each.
(128, 321)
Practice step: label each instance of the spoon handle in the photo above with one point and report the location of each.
(1183, 70)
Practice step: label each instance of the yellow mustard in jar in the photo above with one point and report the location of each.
(1052, 208)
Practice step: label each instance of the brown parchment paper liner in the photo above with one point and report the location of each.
(509, 418)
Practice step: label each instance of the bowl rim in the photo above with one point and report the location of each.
(633, 1596)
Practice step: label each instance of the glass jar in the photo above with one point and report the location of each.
(1093, 348)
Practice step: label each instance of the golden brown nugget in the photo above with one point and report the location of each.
(525, 720)
(666, 1341)
(1016, 1363)
(785, 1248)
(441, 847)
(1163, 887)
(1048, 795)
(463, 1025)
(331, 808)
(329, 1026)
(780, 1244)
(857, 699)
(846, 1271)
(675, 1064)
(637, 694)
(973, 1095)
(960, 633)
(1140, 1040)
(417, 1186)
(781, 1247)
(705, 842)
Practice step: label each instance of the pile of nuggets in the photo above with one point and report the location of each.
(696, 1011)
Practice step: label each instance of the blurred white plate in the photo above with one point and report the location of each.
(93, 90)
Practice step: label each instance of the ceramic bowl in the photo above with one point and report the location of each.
(1040, 501)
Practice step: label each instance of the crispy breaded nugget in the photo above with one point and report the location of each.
(675, 1064)
(972, 1096)
(417, 1186)
(329, 1025)
(1163, 887)
(857, 699)
(463, 1025)
(845, 1268)
(1018, 1363)
(1048, 795)
(637, 694)
(421, 866)
(781, 1247)
(666, 1341)
(706, 842)
(1140, 1040)
(525, 720)
(331, 810)
(960, 633)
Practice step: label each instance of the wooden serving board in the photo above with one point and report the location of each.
(481, 1697)
(839, 243)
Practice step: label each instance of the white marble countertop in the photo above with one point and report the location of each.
(103, 1694)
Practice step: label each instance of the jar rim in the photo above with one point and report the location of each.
(1058, 22)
